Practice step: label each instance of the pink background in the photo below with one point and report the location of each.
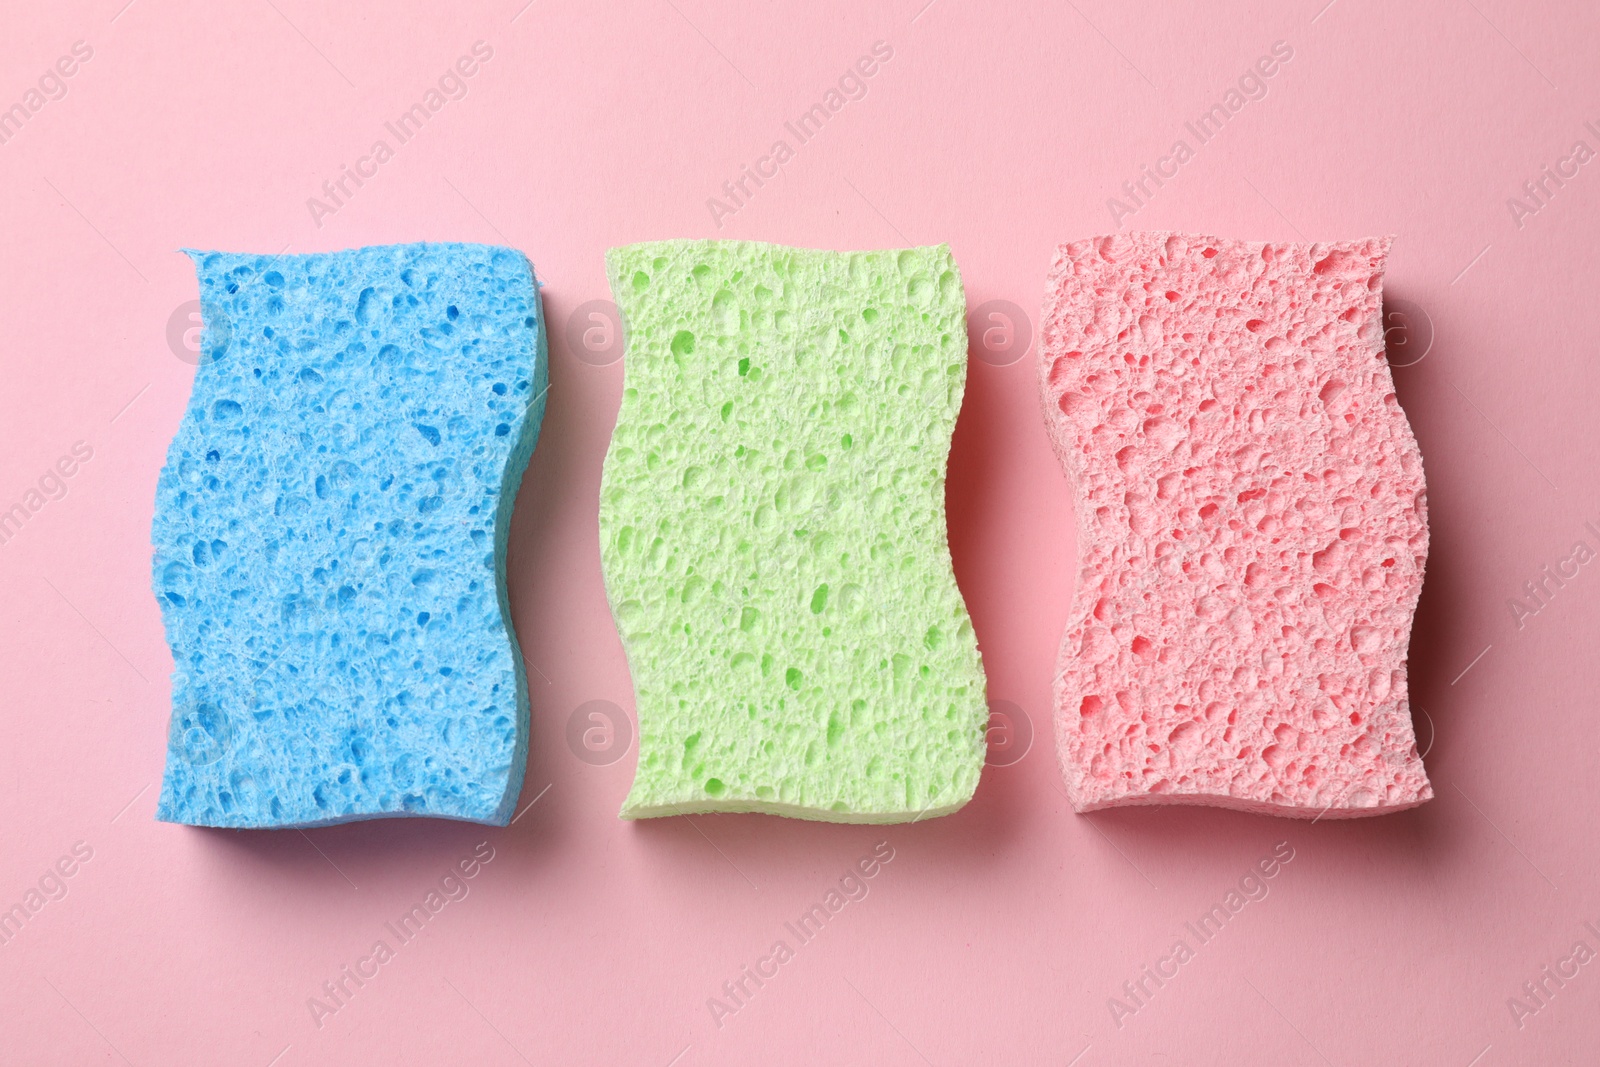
(997, 934)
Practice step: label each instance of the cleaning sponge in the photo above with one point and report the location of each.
(773, 536)
(330, 537)
(1251, 527)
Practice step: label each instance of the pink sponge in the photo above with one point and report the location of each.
(1251, 527)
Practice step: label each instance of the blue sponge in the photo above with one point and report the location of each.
(330, 538)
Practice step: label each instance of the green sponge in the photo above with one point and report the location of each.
(772, 531)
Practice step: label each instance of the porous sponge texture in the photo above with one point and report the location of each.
(330, 537)
(772, 531)
(1252, 526)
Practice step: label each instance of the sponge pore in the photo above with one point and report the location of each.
(330, 538)
(1251, 527)
(773, 535)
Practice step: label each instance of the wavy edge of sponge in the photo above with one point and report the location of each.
(517, 460)
(1082, 604)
